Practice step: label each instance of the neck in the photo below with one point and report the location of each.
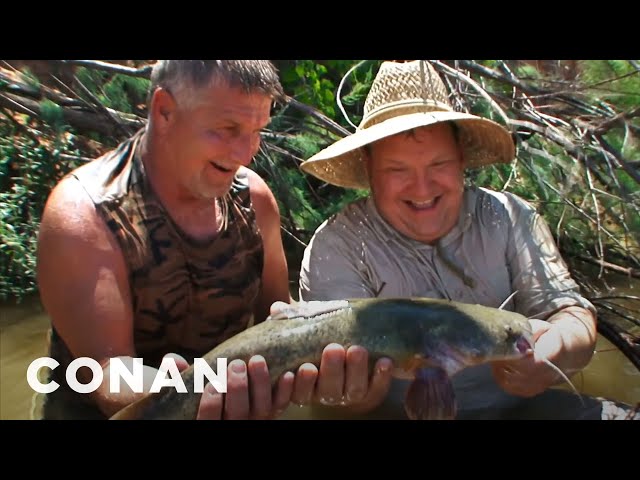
(200, 218)
(162, 179)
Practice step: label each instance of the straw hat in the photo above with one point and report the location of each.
(404, 96)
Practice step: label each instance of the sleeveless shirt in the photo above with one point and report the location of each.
(188, 296)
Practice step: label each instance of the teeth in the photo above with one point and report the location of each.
(424, 204)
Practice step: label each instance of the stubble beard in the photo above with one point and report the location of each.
(206, 191)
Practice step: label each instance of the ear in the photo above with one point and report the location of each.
(163, 108)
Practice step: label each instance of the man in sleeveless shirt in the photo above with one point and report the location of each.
(169, 244)
(423, 233)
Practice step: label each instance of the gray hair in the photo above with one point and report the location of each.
(182, 77)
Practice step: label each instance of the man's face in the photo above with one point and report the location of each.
(417, 181)
(208, 138)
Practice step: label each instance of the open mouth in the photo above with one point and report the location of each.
(422, 206)
(220, 167)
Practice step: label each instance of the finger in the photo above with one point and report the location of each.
(512, 380)
(179, 360)
(282, 394)
(277, 307)
(211, 404)
(330, 385)
(380, 382)
(259, 387)
(504, 371)
(357, 374)
(304, 384)
(497, 368)
(236, 404)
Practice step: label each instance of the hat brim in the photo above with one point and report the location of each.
(483, 142)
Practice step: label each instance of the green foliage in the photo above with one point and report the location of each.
(527, 71)
(628, 146)
(119, 92)
(304, 201)
(92, 79)
(615, 81)
(52, 114)
(28, 171)
(316, 83)
(123, 93)
(304, 144)
(30, 78)
(307, 81)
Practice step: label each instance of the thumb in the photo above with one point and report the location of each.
(538, 327)
(179, 360)
(277, 307)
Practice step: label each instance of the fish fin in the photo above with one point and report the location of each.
(430, 396)
(313, 310)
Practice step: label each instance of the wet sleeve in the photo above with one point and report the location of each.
(538, 272)
(330, 269)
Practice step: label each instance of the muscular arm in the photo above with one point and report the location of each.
(275, 275)
(84, 288)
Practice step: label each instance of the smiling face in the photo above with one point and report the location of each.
(417, 181)
(206, 138)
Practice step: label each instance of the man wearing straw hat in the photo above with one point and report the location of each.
(423, 233)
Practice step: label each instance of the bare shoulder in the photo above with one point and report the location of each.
(82, 275)
(262, 197)
(72, 234)
(70, 212)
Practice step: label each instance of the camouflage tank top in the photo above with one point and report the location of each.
(187, 296)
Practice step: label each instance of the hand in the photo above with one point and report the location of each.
(249, 393)
(530, 376)
(343, 378)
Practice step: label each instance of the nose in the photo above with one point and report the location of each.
(422, 185)
(244, 148)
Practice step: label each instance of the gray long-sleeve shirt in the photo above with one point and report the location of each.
(499, 246)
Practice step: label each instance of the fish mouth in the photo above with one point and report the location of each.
(523, 345)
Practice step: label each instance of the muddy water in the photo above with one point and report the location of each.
(23, 330)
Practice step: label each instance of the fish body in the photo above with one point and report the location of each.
(428, 339)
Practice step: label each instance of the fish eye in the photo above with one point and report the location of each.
(510, 333)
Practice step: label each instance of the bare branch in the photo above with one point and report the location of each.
(80, 119)
(144, 72)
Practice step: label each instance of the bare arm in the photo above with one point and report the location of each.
(275, 275)
(84, 288)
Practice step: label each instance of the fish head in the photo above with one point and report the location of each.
(516, 341)
(507, 338)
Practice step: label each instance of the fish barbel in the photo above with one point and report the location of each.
(428, 340)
